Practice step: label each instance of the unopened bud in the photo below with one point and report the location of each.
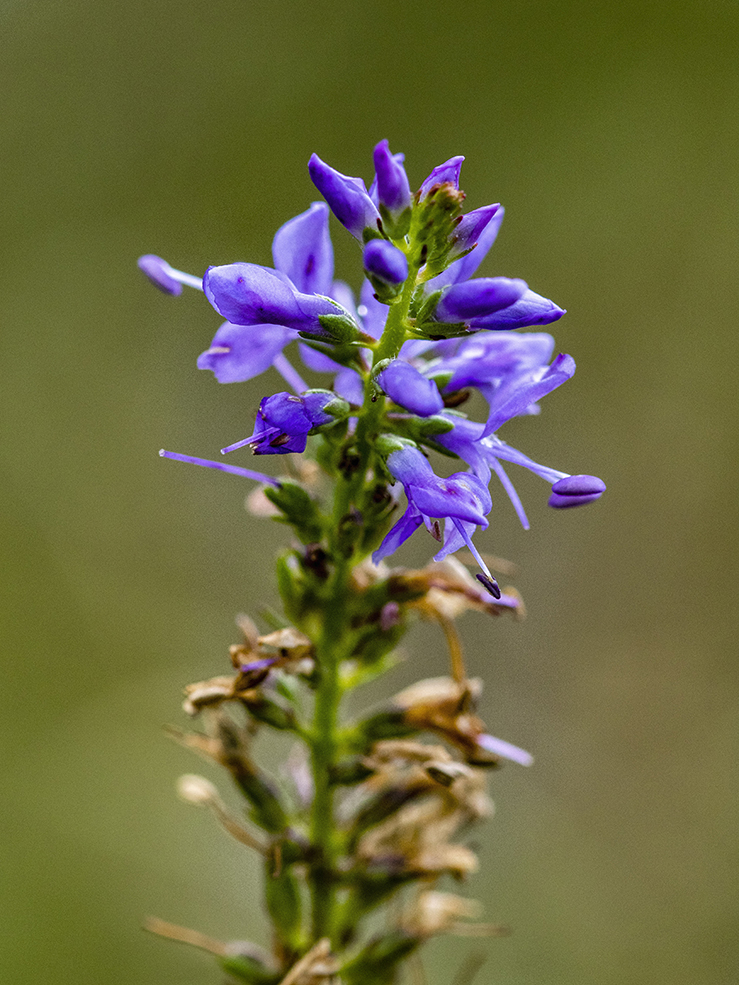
(194, 789)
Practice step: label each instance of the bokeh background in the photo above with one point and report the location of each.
(609, 131)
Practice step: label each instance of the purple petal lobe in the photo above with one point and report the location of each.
(302, 249)
(406, 525)
(448, 172)
(410, 389)
(247, 294)
(517, 396)
(241, 352)
(530, 309)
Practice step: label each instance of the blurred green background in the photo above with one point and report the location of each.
(609, 131)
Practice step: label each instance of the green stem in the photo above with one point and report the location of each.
(333, 634)
(330, 649)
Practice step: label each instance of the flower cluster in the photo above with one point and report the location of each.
(403, 358)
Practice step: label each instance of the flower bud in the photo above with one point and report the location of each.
(476, 299)
(386, 267)
(410, 389)
(393, 191)
(576, 490)
(347, 197)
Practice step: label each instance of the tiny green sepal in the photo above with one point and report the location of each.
(282, 895)
(377, 963)
(341, 327)
(396, 229)
(298, 509)
(249, 970)
(386, 444)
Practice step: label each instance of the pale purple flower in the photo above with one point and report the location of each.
(461, 498)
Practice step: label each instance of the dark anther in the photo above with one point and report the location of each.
(457, 398)
(489, 584)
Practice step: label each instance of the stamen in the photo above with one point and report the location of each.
(499, 747)
(221, 467)
(486, 579)
(510, 489)
(253, 439)
(289, 374)
(489, 584)
(189, 279)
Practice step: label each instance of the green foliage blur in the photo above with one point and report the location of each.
(609, 131)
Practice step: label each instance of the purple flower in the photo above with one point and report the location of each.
(240, 352)
(385, 262)
(303, 253)
(284, 421)
(446, 173)
(347, 197)
(410, 389)
(461, 498)
(393, 190)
